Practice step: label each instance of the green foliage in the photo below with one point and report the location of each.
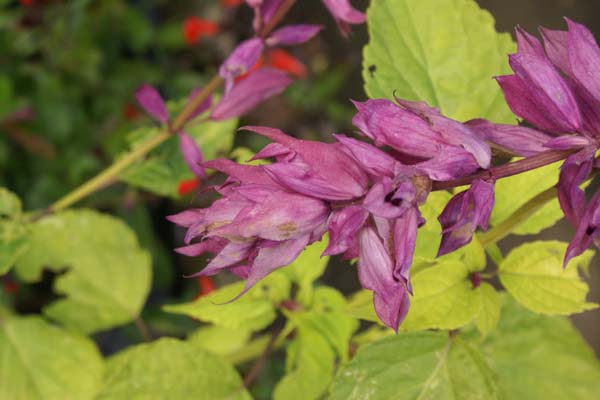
(307, 268)
(170, 369)
(533, 274)
(253, 311)
(541, 358)
(528, 357)
(440, 51)
(419, 365)
(322, 333)
(43, 362)
(530, 184)
(108, 276)
(444, 298)
(162, 171)
(219, 339)
(13, 231)
(489, 308)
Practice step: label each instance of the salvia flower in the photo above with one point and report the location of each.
(555, 88)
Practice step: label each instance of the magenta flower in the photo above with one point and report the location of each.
(255, 228)
(314, 169)
(464, 213)
(443, 148)
(152, 102)
(555, 88)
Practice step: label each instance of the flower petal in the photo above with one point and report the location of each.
(293, 34)
(192, 154)
(151, 101)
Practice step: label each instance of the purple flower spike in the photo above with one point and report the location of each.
(293, 34)
(584, 58)
(241, 60)
(375, 271)
(343, 228)
(192, 154)
(319, 169)
(151, 101)
(344, 14)
(464, 213)
(573, 173)
(248, 93)
(405, 240)
(513, 139)
(587, 232)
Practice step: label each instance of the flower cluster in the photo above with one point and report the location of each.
(555, 88)
(367, 195)
(366, 198)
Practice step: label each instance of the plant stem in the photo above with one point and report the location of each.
(260, 361)
(108, 175)
(112, 173)
(276, 18)
(506, 170)
(142, 328)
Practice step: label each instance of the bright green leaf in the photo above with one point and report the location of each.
(307, 267)
(219, 340)
(10, 205)
(530, 184)
(253, 311)
(170, 369)
(108, 275)
(533, 274)
(13, 243)
(41, 361)
(489, 308)
(416, 366)
(541, 358)
(444, 52)
(443, 298)
(309, 362)
(360, 306)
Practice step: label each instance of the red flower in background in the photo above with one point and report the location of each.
(188, 186)
(26, 3)
(195, 28)
(231, 3)
(130, 112)
(280, 60)
(205, 286)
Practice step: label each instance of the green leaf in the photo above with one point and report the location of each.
(417, 365)
(162, 171)
(108, 275)
(429, 235)
(10, 205)
(253, 311)
(533, 274)
(443, 298)
(360, 306)
(541, 358)
(41, 361)
(530, 184)
(170, 369)
(13, 243)
(307, 268)
(219, 340)
(489, 308)
(444, 52)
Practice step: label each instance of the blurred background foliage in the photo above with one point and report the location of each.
(68, 71)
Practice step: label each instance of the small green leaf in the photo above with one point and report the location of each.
(533, 274)
(108, 275)
(416, 366)
(219, 340)
(440, 51)
(170, 369)
(13, 243)
(360, 306)
(253, 311)
(443, 298)
(10, 204)
(489, 308)
(307, 268)
(541, 358)
(41, 361)
(430, 235)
